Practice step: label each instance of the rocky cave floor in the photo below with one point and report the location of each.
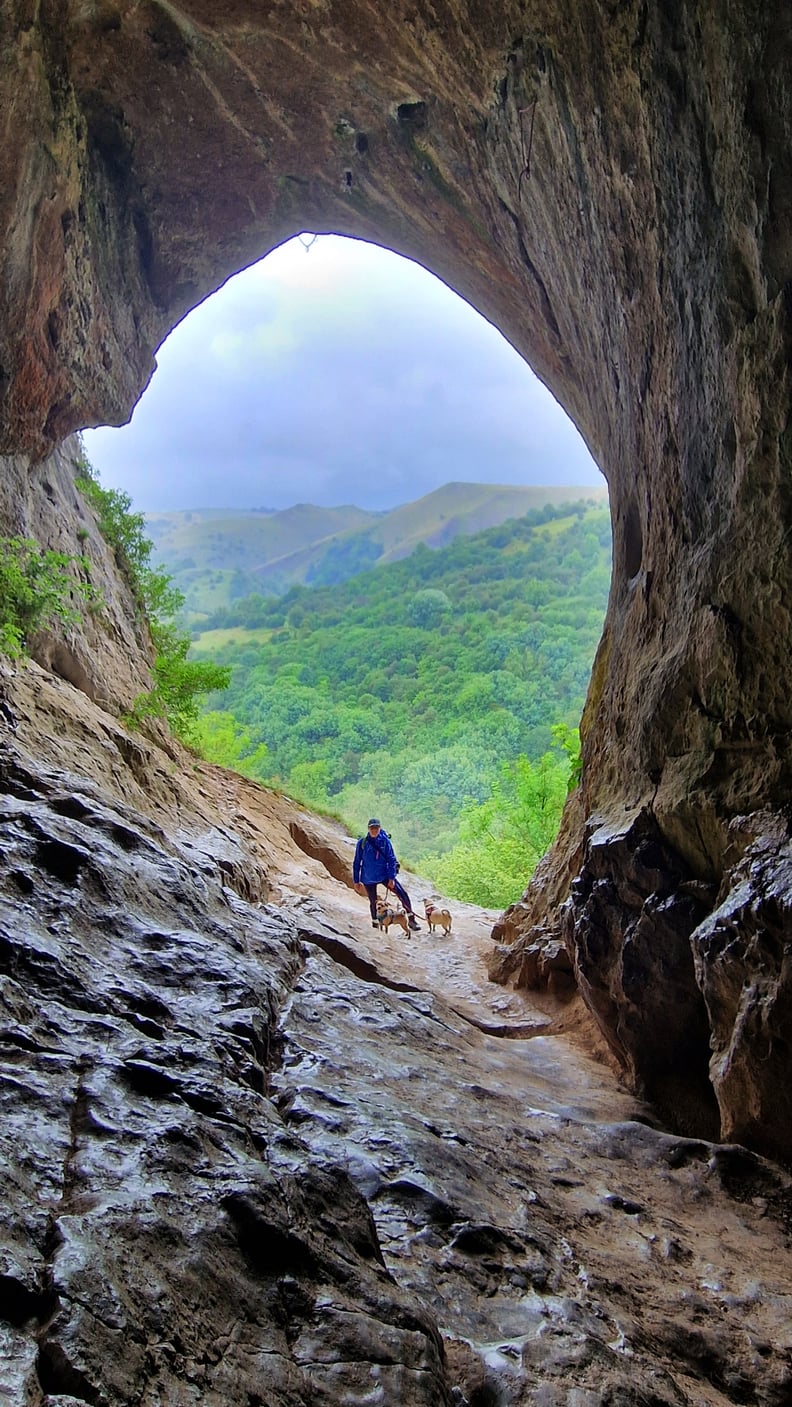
(255, 1153)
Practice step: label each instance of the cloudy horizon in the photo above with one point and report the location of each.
(339, 374)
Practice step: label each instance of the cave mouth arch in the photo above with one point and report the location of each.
(386, 381)
(339, 325)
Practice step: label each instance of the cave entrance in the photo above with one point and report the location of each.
(336, 409)
(333, 370)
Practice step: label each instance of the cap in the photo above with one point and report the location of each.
(374, 822)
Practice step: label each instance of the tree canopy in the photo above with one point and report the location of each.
(406, 690)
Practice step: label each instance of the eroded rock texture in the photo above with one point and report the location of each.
(107, 653)
(608, 182)
(163, 1233)
(251, 1153)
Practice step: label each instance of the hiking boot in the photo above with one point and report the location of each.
(413, 922)
(375, 923)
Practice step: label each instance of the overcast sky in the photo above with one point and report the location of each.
(340, 374)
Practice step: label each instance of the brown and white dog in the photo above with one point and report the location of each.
(437, 917)
(386, 916)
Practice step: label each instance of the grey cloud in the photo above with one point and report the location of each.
(370, 388)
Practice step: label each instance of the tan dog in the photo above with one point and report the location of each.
(386, 916)
(436, 917)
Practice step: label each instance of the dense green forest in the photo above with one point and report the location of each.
(437, 692)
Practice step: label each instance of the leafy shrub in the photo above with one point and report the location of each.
(179, 684)
(37, 590)
(502, 840)
(124, 531)
(428, 606)
(568, 740)
(223, 740)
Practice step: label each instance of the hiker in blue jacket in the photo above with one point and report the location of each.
(376, 863)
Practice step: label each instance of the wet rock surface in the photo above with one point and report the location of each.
(564, 1246)
(254, 1153)
(742, 954)
(628, 923)
(163, 1233)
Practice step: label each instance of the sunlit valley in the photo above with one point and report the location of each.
(441, 690)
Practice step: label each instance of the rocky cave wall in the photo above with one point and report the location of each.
(610, 184)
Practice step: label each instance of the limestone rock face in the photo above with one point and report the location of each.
(107, 654)
(326, 843)
(162, 1231)
(629, 922)
(251, 1153)
(610, 183)
(742, 962)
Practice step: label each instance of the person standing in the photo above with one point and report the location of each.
(376, 863)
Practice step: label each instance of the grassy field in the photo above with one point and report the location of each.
(208, 642)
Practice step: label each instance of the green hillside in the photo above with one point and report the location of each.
(456, 508)
(407, 689)
(217, 556)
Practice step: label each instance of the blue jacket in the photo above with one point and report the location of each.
(375, 861)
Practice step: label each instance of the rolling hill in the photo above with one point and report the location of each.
(218, 555)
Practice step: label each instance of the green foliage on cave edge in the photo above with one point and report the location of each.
(180, 685)
(39, 589)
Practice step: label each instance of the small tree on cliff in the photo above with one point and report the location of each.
(179, 683)
(38, 590)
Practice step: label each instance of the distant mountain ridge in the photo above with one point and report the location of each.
(218, 555)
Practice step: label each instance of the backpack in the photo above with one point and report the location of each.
(365, 840)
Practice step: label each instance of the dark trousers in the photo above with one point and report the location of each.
(399, 890)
